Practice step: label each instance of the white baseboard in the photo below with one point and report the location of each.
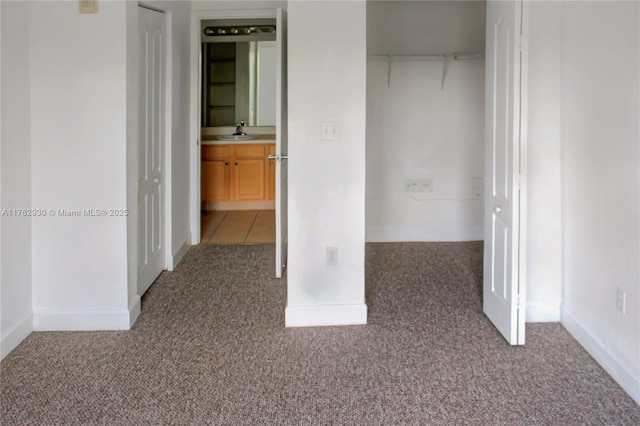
(81, 320)
(320, 315)
(420, 234)
(12, 338)
(134, 310)
(177, 256)
(616, 370)
(543, 312)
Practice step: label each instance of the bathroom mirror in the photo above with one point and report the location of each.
(239, 83)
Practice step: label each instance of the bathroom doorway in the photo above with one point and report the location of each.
(240, 121)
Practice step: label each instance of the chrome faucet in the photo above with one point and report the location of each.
(239, 127)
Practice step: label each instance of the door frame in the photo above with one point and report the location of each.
(196, 102)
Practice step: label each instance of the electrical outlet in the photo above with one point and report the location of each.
(332, 256)
(418, 185)
(621, 300)
(330, 130)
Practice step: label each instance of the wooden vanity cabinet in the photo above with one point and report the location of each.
(248, 172)
(215, 176)
(236, 177)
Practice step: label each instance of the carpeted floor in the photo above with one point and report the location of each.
(210, 348)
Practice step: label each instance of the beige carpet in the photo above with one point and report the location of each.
(210, 348)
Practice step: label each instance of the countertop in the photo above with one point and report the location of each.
(213, 140)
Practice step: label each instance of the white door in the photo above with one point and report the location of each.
(151, 124)
(503, 295)
(281, 143)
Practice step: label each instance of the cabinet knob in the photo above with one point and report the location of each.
(226, 163)
(236, 163)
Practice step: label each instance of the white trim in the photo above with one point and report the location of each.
(602, 355)
(194, 138)
(522, 180)
(177, 257)
(168, 139)
(543, 312)
(16, 335)
(321, 315)
(390, 234)
(134, 310)
(76, 320)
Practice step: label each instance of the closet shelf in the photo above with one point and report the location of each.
(446, 58)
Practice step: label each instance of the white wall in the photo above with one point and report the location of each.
(544, 236)
(73, 111)
(417, 129)
(78, 78)
(601, 182)
(326, 75)
(16, 321)
(180, 14)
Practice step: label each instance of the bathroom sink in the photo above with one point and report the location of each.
(237, 137)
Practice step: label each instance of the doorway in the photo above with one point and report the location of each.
(238, 84)
(239, 120)
(430, 91)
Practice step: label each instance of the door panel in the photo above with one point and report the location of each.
(503, 294)
(281, 143)
(215, 181)
(248, 180)
(151, 255)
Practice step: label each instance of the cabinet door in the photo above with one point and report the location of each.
(270, 174)
(248, 179)
(215, 181)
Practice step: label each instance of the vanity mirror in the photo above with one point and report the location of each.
(238, 72)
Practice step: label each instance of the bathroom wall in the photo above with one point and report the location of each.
(418, 129)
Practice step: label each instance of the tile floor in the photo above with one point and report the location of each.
(239, 227)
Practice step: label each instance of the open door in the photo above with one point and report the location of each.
(281, 143)
(151, 174)
(504, 292)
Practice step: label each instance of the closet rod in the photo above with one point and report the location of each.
(445, 58)
(437, 57)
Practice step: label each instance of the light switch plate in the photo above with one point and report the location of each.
(330, 130)
(88, 6)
